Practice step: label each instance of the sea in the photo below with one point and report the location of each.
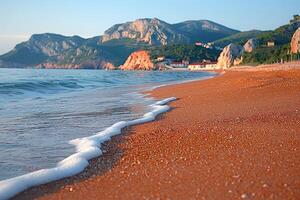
(42, 110)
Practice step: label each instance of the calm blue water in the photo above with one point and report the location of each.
(41, 110)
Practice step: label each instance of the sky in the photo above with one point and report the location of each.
(19, 19)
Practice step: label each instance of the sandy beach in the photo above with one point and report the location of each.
(235, 136)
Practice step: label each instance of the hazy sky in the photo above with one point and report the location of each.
(21, 18)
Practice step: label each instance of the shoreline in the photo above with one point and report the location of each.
(87, 148)
(116, 158)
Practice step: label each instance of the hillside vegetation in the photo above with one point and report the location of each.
(184, 52)
(263, 55)
(239, 38)
(281, 51)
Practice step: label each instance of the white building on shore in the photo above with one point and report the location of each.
(202, 65)
(179, 64)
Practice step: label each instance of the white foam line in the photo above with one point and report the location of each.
(86, 149)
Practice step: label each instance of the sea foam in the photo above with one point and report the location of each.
(86, 149)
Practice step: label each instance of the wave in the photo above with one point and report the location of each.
(37, 86)
(86, 149)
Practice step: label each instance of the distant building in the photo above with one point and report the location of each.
(271, 44)
(199, 44)
(202, 65)
(211, 65)
(207, 46)
(179, 64)
(176, 64)
(196, 66)
(160, 59)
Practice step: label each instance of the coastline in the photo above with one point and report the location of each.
(161, 158)
(87, 148)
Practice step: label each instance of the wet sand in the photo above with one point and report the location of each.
(236, 136)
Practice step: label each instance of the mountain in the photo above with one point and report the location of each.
(158, 32)
(57, 51)
(203, 30)
(151, 31)
(40, 47)
(118, 42)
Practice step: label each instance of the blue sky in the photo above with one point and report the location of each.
(21, 18)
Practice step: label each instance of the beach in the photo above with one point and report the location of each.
(235, 136)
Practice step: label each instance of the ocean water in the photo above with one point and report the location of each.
(42, 110)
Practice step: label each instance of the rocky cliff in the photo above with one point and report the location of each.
(151, 31)
(250, 45)
(231, 55)
(155, 31)
(295, 42)
(139, 60)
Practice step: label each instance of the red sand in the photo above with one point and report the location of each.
(236, 136)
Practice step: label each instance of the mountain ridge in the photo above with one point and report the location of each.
(117, 43)
(206, 30)
(188, 31)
